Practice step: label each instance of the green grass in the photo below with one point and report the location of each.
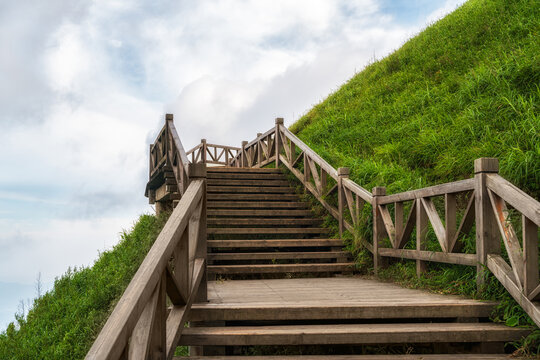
(63, 323)
(466, 87)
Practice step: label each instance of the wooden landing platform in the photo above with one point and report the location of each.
(349, 297)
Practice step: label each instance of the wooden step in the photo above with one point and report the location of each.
(251, 189)
(250, 176)
(279, 268)
(273, 243)
(259, 221)
(358, 357)
(351, 334)
(344, 310)
(225, 169)
(257, 204)
(278, 255)
(253, 197)
(259, 213)
(245, 182)
(268, 230)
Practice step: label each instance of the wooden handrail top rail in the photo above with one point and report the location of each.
(194, 148)
(116, 331)
(436, 190)
(514, 196)
(258, 138)
(358, 190)
(224, 147)
(309, 152)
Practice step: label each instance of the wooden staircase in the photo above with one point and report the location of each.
(258, 225)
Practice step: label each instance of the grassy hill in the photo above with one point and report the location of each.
(64, 322)
(466, 87)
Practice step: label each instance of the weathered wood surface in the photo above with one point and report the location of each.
(436, 190)
(278, 255)
(351, 334)
(281, 268)
(274, 243)
(359, 357)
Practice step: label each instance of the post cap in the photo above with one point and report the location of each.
(259, 134)
(197, 170)
(343, 171)
(279, 121)
(379, 191)
(169, 117)
(244, 143)
(203, 141)
(486, 165)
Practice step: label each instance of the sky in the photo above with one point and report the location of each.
(84, 86)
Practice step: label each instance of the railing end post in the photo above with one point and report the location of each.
(378, 191)
(486, 165)
(378, 227)
(343, 172)
(279, 121)
(169, 117)
(197, 170)
(259, 134)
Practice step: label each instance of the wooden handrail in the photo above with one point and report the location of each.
(483, 205)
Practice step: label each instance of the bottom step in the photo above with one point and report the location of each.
(354, 334)
(279, 268)
(356, 357)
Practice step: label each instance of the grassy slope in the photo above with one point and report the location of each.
(64, 322)
(466, 87)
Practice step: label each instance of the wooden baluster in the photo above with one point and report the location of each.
(487, 238)
(203, 151)
(422, 223)
(398, 222)
(277, 139)
(307, 176)
(343, 173)
(378, 227)
(450, 219)
(530, 255)
(244, 155)
(259, 150)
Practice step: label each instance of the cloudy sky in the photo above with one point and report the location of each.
(85, 86)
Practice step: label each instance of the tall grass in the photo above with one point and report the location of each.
(63, 323)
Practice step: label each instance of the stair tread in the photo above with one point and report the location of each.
(351, 334)
(262, 221)
(257, 204)
(275, 243)
(246, 175)
(225, 169)
(356, 357)
(268, 230)
(259, 213)
(258, 196)
(278, 255)
(250, 189)
(280, 268)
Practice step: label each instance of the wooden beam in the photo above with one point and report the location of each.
(435, 256)
(436, 222)
(453, 187)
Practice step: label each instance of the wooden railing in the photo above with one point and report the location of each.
(143, 325)
(212, 153)
(401, 222)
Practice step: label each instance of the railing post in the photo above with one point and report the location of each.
(277, 139)
(203, 151)
(487, 239)
(259, 150)
(378, 227)
(198, 171)
(244, 160)
(343, 173)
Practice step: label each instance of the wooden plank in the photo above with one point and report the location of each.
(263, 221)
(510, 240)
(279, 268)
(310, 153)
(465, 224)
(179, 314)
(273, 243)
(234, 170)
(449, 258)
(116, 331)
(140, 341)
(436, 222)
(514, 196)
(452, 187)
(255, 197)
(355, 357)
(351, 334)
(278, 255)
(504, 274)
(388, 224)
(421, 235)
(259, 213)
(332, 310)
(257, 204)
(245, 182)
(251, 189)
(271, 230)
(246, 175)
(530, 256)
